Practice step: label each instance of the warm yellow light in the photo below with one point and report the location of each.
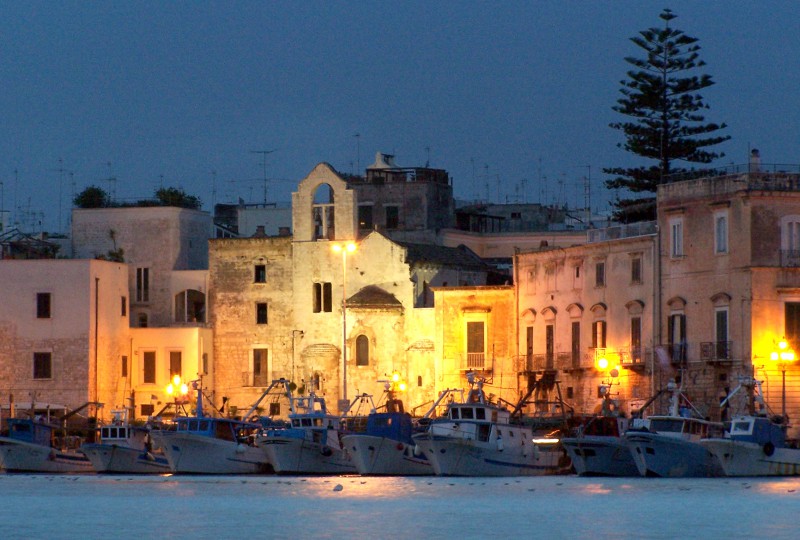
(395, 377)
(782, 345)
(170, 389)
(336, 247)
(184, 389)
(602, 363)
(176, 380)
(402, 387)
(787, 356)
(773, 356)
(351, 247)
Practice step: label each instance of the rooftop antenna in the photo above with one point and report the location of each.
(213, 189)
(524, 188)
(112, 181)
(427, 156)
(358, 153)
(61, 170)
(587, 194)
(264, 154)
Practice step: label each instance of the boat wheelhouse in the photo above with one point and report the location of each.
(125, 448)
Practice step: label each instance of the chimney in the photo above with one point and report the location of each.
(260, 233)
(755, 160)
(283, 231)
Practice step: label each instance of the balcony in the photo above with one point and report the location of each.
(254, 379)
(476, 360)
(716, 352)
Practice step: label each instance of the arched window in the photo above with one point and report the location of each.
(322, 213)
(362, 350)
(190, 306)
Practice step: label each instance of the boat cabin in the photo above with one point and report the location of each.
(693, 428)
(757, 429)
(225, 429)
(605, 426)
(478, 412)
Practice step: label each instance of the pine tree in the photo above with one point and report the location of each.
(667, 126)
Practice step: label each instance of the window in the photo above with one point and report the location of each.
(322, 213)
(392, 217)
(147, 410)
(124, 366)
(323, 297)
(791, 235)
(721, 232)
(362, 350)
(576, 344)
(205, 363)
(599, 335)
(676, 329)
(261, 313)
(475, 344)
(260, 273)
(149, 367)
(721, 324)
(529, 347)
(42, 305)
(636, 339)
(676, 238)
(260, 367)
(577, 280)
(142, 320)
(42, 365)
(636, 270)
(142, 284)
(550, 344)
(123, 306)
(175, 364)
(600, 274)
(365, 216)
(792, 323)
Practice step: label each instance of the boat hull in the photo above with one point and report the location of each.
(743, 458)
(289, 455)
(373, 455)
(115, 458)
(189, 453)
(18, 456)
(599, 455)
(466, 457)
(665, 456)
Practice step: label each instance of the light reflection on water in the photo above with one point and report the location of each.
(49, 506)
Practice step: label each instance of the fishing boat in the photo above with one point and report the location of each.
(478, 438)
(670, 445)
(386, 446)
(598, 448)
(40, 443)
(755, 444)
(125, 448)
(203, 444)
(310, 444)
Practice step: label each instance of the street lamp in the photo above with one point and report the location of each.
(178, 391)
(784, 355)
(344, 249)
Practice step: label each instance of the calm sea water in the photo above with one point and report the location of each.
(49, 506)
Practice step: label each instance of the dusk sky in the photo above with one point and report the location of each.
(512, 98)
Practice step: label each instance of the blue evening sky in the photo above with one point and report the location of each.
(512, 98)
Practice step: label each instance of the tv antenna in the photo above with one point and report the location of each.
(264, 154)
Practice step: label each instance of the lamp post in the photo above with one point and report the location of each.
(344, 249)
(178, 391)
(784, 355)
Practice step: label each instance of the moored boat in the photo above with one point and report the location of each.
(755, 444)
(478, 438)
(310, 444)
(386, 446)
(125, 449)
(41, 444)
(212, 445)
(670, 445)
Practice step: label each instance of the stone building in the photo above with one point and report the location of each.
(585, 316)
(155, 242)
(64, 336)
(277, 303)
(731, 282)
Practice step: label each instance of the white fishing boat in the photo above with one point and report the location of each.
(386, 446)
(598, 447)
(310, 444)
(478, 438)
(670, 445)
(211, 445)
(755, 444)
(43, 444)
(125, 449)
